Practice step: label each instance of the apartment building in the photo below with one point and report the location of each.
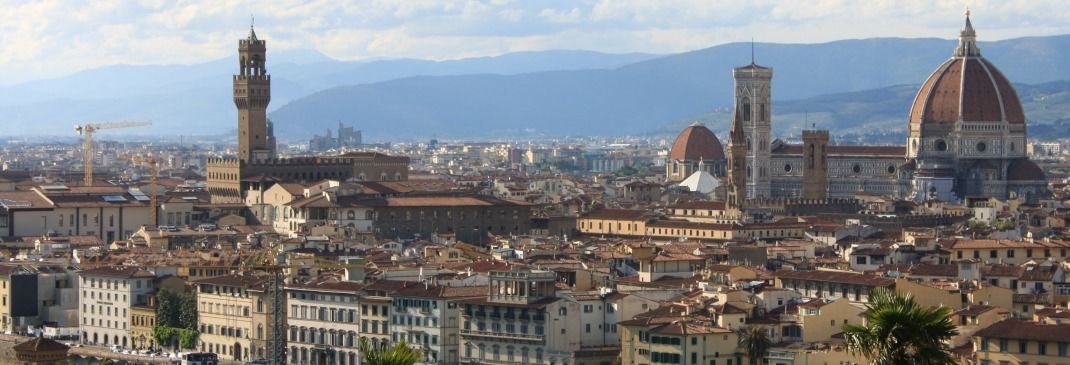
(1014, 341)
(426, 317)
(817, 284)
(233, 316)
(324, 323)
(993, 251)
(107, 295)
(375, 303)
(520, 320)
(677, 334)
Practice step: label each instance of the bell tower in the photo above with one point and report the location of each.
(815, 166)
(753, 107)
(252, 93)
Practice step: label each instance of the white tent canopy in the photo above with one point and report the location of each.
(701, 182)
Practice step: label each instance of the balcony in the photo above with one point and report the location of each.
(780, 355)
(503, 335)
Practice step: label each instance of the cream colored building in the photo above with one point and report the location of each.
(520, 320)
(823, 318)
(324, 322)
(1008, 251)
(233, 316)
(1022, 342)
(673, 335)
(108, 212)
(956, 295)
(107, 295)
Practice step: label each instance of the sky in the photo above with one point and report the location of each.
(52, 38)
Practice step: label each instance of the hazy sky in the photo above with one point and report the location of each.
(46, 38)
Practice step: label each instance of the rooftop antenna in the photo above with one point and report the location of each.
(752, 50)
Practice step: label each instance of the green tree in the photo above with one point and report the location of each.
(399, 354)
(755, 342)
(167, 309)
(626, 171)
(187, 311)
(899, 331)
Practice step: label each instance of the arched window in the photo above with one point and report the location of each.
(746, 109)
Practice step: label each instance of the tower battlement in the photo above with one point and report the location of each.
(252, 77)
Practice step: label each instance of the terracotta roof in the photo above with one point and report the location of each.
(688, 328)
(971, 86)
(616, 214)
(1025, 170)
(1026, 330)
(1038, 273)
(697, 143)
(699, 205)
(1002, 270)
(117, 272)
(944, 270)
(666, 223)
(969, 243)
(40, 344)
(973, 310)
(237, 280)
(836, 277)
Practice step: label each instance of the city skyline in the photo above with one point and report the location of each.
(53, 39)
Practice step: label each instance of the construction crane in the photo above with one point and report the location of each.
(87, 130)
(153, 170)
(274, 289)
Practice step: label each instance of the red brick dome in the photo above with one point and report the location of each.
(966, 88)
(1024, 170)
(697, 143)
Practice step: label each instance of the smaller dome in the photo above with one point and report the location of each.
(1025, 170)
(695, 143)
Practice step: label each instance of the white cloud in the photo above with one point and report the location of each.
(49, 38)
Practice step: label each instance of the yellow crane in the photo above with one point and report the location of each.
(153, 170)
(87, 130)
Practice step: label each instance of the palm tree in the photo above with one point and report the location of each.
(898, 331)
(399, 354)
(755, 342)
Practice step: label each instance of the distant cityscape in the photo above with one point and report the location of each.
(754, 243)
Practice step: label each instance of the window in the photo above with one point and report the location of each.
(587, 308)
(1021, 347)
(992, 254)
(746, 109)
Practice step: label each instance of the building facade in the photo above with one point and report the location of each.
(233, 316)
(521, 320)
(324, 323)
(107, 295)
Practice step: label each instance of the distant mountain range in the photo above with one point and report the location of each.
(843, 84)
(196, 99)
